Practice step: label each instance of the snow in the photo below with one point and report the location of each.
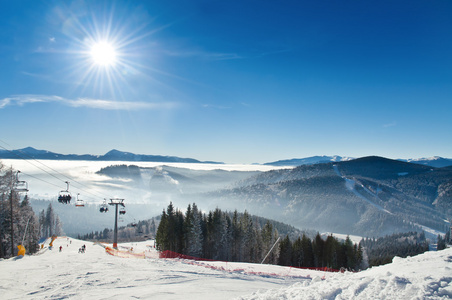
(51, 274)
(426, 276)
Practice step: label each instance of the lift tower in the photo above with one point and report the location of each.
(116, 202)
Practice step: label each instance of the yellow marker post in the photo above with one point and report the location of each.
(21, 250)
(53, 238)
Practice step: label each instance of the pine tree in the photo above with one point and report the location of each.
(236, 237)
(297, 253)
(50, 221)
(58, 227)
(18, 224)
(42, 221)
(308, 253)
(267, 239)
(195, 233)
(285, 252)
(318, 246)
(161, 237)
(246, 226)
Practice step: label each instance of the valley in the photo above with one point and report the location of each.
(371, 196)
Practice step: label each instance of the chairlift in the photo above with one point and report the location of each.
(104, 207)
(20, 186)
(65, 196)
(79, 202)
(122, 211)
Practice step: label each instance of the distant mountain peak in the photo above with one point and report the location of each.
(318, 159)
(434, 161)
(117, 152)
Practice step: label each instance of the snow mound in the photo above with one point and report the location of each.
(426, 276)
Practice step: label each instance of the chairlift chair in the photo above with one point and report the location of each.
(65, 196)
(20, 186)
(104, 207)
(79, 202)
(122, 211)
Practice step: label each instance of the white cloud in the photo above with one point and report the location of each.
(85, 102)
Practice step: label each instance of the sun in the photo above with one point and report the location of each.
(103, 54)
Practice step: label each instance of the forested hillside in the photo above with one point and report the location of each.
(238, 237)
(19, 225)
(382, 250)
(371, 196)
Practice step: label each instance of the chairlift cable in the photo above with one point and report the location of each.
(53, 175)
(72, 180)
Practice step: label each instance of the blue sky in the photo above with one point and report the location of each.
(232, 81)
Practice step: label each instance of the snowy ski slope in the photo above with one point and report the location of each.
(52, 274)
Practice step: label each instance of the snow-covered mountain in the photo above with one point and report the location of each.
(68, 274)
(370, 196)
(309, 160)
(435, 161)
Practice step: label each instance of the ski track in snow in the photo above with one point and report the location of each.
(98, 275)
(350, 184)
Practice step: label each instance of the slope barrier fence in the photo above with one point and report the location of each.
(198, 261)
(124, 254)
(204, 262)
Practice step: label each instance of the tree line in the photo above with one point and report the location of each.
(382, 250)
(238, 237)
(19, 225)
(132, 232)
(319, 253)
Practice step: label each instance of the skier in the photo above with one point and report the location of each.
(61, 248)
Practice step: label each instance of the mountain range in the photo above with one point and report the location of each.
(113, 155)
(435, 161)
(369, 196)
(116, 155)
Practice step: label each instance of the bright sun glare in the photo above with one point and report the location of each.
(103, 54)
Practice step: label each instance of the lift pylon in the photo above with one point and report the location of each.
(116, 202)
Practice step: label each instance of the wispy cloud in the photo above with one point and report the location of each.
(21, 100)
(215, 106)
(204, 55)
(392, 124)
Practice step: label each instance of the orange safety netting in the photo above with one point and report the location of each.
(124, 254)
(172, 254)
